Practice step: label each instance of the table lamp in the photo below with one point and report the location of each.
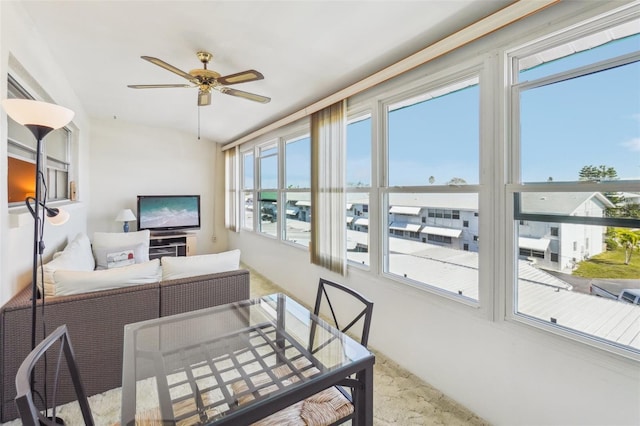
(125, 216)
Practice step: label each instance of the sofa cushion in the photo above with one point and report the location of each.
(115, 240)
(116, 257)
(75, 282)
(191, 266)
(76, 256)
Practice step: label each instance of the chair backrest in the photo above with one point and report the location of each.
(345, 315)
(57, 345)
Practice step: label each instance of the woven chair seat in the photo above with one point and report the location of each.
(323, 408)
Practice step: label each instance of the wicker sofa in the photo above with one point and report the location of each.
(96, 324)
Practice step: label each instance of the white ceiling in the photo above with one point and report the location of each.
(306, 50)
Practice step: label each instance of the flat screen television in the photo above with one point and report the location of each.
(168, 212)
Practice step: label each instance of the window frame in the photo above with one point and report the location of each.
(284, 140)
(444, 79)
(51, 165)
(357, 114)
(244, 189)
(514, 185)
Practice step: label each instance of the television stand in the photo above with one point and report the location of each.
(172, 244)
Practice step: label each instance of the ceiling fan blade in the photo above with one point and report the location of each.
(245, 95)
(240, 77)
(157, 86)
(204, 97)
(169, 67)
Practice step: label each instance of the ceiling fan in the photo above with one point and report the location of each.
(205, 80)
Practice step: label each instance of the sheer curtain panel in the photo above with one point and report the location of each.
(328, 152)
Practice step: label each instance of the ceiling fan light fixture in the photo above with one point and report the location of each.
(204, 97)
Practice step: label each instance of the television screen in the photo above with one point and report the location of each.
(168, 212)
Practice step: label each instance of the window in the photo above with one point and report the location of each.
(268, 189)
(276, 188)
(465, 223)
(297, 207)
(575, 98)
(21, 161)
(358, 187)
(433, 166)
(247, 190)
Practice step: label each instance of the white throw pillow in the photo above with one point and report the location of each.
(116, 257)
(191, 266)
(76, 256)
(75, 282)
(117, 240)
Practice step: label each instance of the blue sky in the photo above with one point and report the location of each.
(592, 120)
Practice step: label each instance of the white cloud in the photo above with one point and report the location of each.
(632, 144)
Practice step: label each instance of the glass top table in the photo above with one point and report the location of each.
(238, 363)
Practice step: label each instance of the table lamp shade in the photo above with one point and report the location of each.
(29, 112)
(125, 215)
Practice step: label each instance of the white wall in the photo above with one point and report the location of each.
(507, 372)
(31, 61)
(127, 160)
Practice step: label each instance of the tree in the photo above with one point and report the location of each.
(432, 180)
(456, 181)
(598, 173)
(630, 240)
(630, 210)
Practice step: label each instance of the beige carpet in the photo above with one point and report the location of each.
(400, 398)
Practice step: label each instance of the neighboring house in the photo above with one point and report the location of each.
(560, 246)
(429, 218)
(631, 197)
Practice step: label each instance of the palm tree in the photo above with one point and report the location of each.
(630, 240)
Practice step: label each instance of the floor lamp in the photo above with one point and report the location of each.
(40, 118)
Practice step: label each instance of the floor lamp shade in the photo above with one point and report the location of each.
(35, 113)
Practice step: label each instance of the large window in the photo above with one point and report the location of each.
(21, 161)
(576, 103)
(358, 188)
(433, 176)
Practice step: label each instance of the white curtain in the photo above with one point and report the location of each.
(328, 204)
(231, 178)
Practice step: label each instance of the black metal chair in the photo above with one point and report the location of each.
(346, 310)
(351, 312)
(55, 346)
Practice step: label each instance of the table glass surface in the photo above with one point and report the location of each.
(215, 362)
